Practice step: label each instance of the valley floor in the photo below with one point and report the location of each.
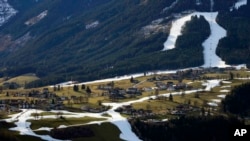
(219, 88)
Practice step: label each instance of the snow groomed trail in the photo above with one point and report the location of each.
(209, 45)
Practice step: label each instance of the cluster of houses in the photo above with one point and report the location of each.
(33, 99)
(129, 110)
(118, 93)
(181, 109)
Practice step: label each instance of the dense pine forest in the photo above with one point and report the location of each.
(238, 101)
(187, 128)
(235, 48)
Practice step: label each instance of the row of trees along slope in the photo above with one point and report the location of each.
(235, 47)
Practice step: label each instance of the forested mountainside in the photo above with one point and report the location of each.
(235, 48)
(92, 39)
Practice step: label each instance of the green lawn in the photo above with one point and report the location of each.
(103, 132)
(48, 114)
(35, 124)
(23, 79)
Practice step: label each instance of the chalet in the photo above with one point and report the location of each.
(171, 88)
(229, 68)
(176, 112)
(133, 91)
(173, 77)
(85, 108)
(62, 98)
(162, 78)
(183, 107)
(24, 105)
(135, 81)
(161, 85)
(73, 97)
(10, 85)
(2, 101)
(116, 91)
(170, 83)
(151, 79)
(116, 96)
(3, 107)
(34, 94)
(180, 86)
(14, 102)
(57, 106)
(147, 89)
(105, 87)
(45, 90)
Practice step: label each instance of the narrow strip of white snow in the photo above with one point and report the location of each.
(118, 78)
(210, 45)
(6, 11)
(240, 3)
(243, 78)
(211, 84)
(216, 100)
(226, 82)
(175, 31)
(221, 96)
(212, 104)
(226, 86)
(171, 6)
(224, 91)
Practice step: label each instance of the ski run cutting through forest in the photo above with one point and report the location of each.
(211, 60)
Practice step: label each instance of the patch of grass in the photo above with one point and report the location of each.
(28, 138)
(23, 79)
(247, 122)
(157, 106)
(6, 125)
(35, 124)
(217, 75)
(3, 115)
(48, 114)
(196, 85)
(103, 132)
(42, 132)
(106, 115)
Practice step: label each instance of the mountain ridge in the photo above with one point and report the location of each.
(115, 46)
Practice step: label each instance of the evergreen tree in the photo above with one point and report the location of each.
(170, 97)
(196, 95)
(83, 86)
(132, 79)
(88, 90)
(53, 101)
(54, 88)
(156, 92)
(231, 76)
(58, 87)
(76, 88)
